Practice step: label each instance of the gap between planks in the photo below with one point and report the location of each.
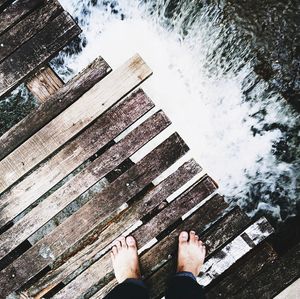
(72, 120)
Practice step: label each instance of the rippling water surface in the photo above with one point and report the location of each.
(212, 80)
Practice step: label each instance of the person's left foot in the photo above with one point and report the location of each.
(125, 259)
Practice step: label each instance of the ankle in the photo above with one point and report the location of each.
(184, 268)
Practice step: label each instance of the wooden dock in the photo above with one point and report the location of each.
(69, 186)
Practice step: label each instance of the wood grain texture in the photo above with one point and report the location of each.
(103, 130)
(91, 214)
(274, 277)
(16, 36)
(16, 11)
(166, 249)
(157, 282)
(245, 270)
(232, 252)
(144, 205)
(169, 215)
(44, 83)
(58, 102)
(71, 121)
(37, 51)
(81, 182)
(4, 4)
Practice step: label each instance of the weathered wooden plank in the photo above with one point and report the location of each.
(72, 120)
(282, 272)
(166, 248)
(81, 182)
(44, 84)
(91, 214)
(227, 228)
(291, 291)
(232, 252)
(102, 131)
(168, 216)
(217, 263)
(244, 271)
(4, 4)
(131, 215)
(20, 33)
(16, 11)
(199, 221)
(37, 51)
(58, 102)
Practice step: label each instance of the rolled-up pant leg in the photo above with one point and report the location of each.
(129, 289)
(183, 285)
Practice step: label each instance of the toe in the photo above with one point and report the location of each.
(192, 236)
(196, 238)
(115, 250)
(183, 237)
(112, 255)
(118, 245)
(131, 242)
(123, 242)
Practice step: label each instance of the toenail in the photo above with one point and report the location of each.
(184, 235)
(130, 240)
(193, 232)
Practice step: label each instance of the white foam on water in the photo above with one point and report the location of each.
(201, 92)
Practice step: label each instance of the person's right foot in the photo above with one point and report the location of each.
(191, 253)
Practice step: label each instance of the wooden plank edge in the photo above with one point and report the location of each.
(57, 103)
(143, 206)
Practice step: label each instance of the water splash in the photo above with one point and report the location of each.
(204, 81)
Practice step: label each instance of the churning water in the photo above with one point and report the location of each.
(204, 80)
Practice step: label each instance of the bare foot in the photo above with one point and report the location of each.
(191, 253)
(125, 259)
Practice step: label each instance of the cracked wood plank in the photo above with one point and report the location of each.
(282, 272)
(218, 261)
(71, 121)
(16, 11)
(81, 182)
(91, 214)
(72, 155)
(55, 104)
(245, 270)
(168, 215)
(13, 38)
(137, 210)
(36, 51)
(203, 221)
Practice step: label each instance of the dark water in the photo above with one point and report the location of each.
(262, 33)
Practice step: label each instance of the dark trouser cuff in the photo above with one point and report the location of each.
(185, 274)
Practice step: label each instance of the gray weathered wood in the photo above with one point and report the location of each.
(16, 11)
(237, 248)
(168, 216)
(131, 215)
(13, 38)
(166, 249)
(274, 276)
(4, 4)
(216, 264)
(58, 102)
(102, 131)
(244, 271)
(81, 182)
(37, 51)
(91, 214)
(71, 121)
